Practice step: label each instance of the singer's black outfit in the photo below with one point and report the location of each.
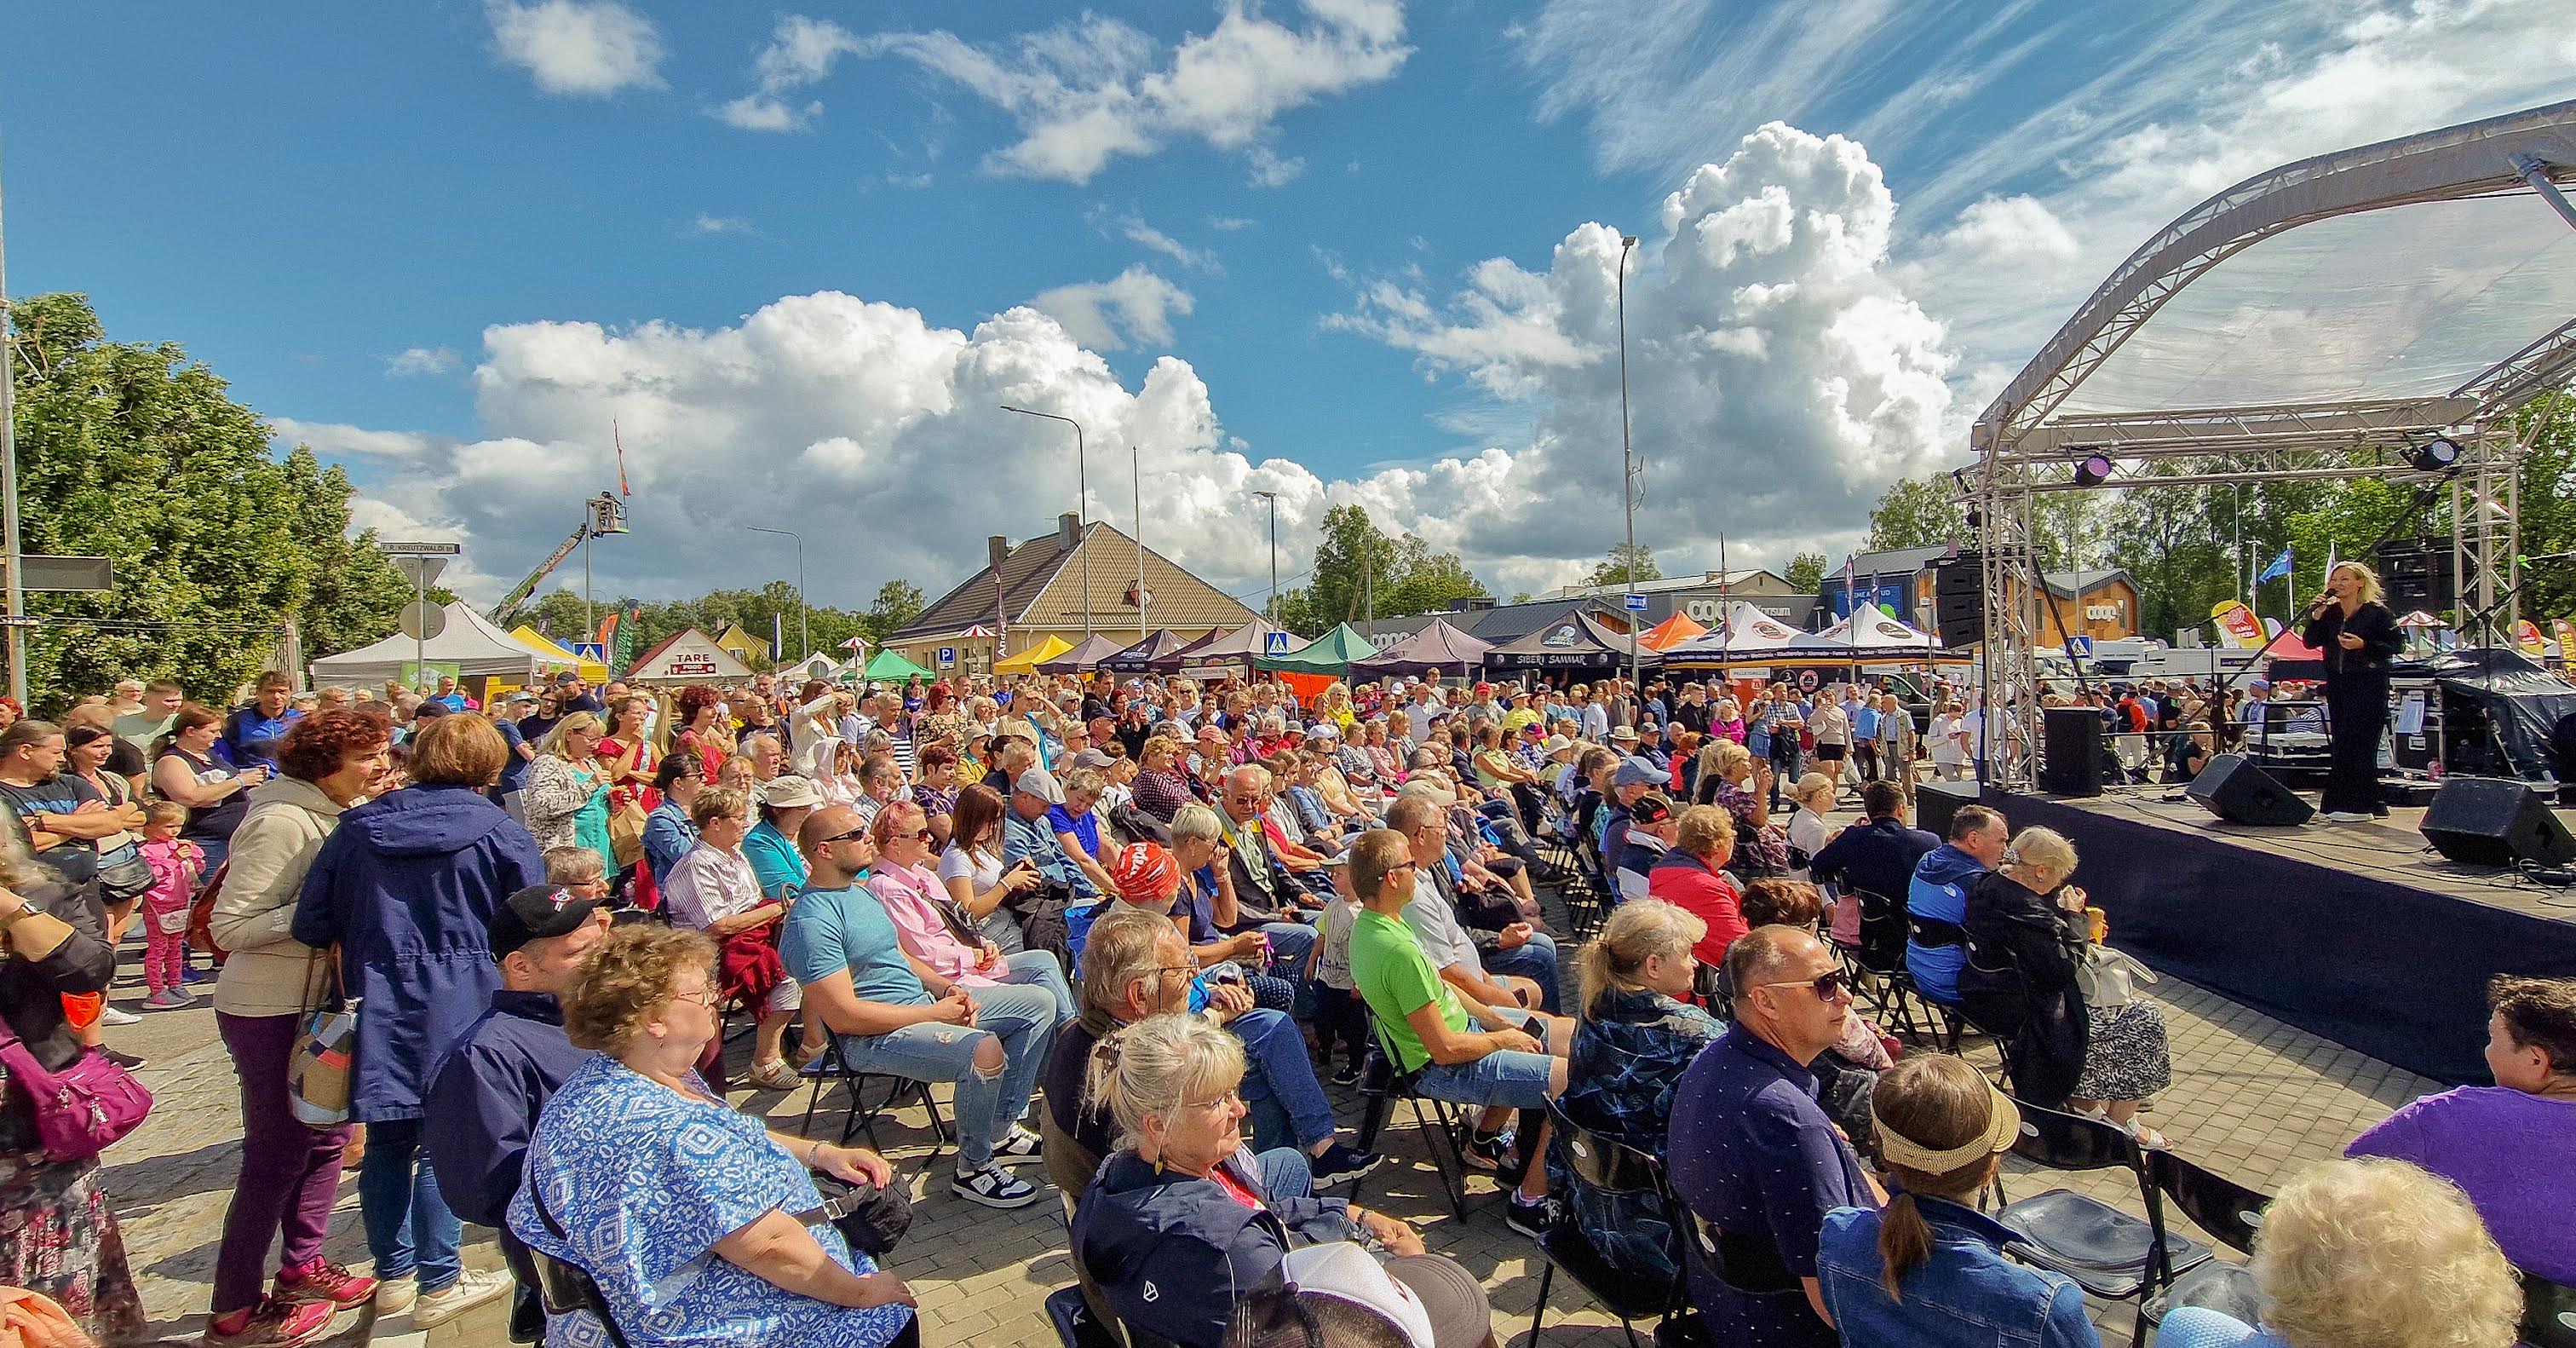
(2356, 700)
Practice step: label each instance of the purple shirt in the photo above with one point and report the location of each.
(2511, 1152)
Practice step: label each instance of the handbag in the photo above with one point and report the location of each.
(2108, 978)
(81, 1110)
(326, 1048)
(870, 1218)
(124, 876)
(626, 833)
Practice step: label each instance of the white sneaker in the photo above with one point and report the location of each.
(474, 1288)
(395, 1295)
(993, 1187)
(110, 1015)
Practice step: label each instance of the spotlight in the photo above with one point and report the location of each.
(2094, 471)
(2436, 455)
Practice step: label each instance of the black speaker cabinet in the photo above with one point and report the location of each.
(1935, 801)
(2231, 787)
(2490, 821)
(2071, 752)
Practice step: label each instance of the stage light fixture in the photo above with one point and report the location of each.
(2093, 471)
(2436, 455)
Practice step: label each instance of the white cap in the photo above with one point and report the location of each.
(1342, 1269)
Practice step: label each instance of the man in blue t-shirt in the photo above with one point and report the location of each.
(252, 732)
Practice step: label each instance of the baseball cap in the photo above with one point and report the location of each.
(1092, 758)
(1323, 730)
(567, 676)
(522, 695)
(535, 914)
(1484, 687)
(1145, 872)
(1650, 808)
(1038, 783)
(1346, 1272)
(789, 791)
(2264, 684)
(1637, 771)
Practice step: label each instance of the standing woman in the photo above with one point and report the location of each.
(290, 1173)
(184, 769)
(2351, 624)
(404, 891)
(566, 796)
(86, 751)
(626, 753)
(704, 730)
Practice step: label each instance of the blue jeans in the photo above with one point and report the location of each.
(409, 1229)
(1284, 1172)
(1038, 969)
(1503, 1077)
(1535, 961)
(1022, 1018)
(1281, 1084)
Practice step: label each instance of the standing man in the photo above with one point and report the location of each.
(251, 733)
(161, 699)
(572, 695)
(1752, 1153)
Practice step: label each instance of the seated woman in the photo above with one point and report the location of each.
(1732, 779)
(681, 1208)
(1813, 794)
(1634, 1038)
(2028, 934)
(2367, 1254)
(932, 928)
(1182, 1219)
(1928, 1270)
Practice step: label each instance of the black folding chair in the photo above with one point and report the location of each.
(831, 1068)
(2108, 1253)
(2548, 1313)
(1381, 1085)
(1618, 1170)
(1075, 1325)
(2231, 1214)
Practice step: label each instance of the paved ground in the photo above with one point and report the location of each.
(2251, 1098)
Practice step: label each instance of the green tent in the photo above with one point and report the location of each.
(1331, 653)
(889, 666)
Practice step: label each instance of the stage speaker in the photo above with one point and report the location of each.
(2417, 574)
(1959, 600)
(2071, 749)
(2231, 787)
(1935, 801)
(2490, 821)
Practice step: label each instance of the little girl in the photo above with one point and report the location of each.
(177, 867)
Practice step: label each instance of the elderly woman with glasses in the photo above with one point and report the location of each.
(933, 927)
(1183, 1219)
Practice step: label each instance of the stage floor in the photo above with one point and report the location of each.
(2391, 849)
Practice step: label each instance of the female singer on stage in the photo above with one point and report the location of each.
(2358, 635)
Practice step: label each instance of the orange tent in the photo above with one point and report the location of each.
(1672, 631)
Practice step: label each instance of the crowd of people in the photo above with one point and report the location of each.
(1143, 929)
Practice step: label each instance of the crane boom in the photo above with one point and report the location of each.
(519, 593)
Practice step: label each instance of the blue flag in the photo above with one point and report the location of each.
(2280, 567)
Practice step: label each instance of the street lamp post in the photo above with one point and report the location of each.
(1273, 498)
(1628, 475)
(1081, 503)
(804, 638)
(1136, 473)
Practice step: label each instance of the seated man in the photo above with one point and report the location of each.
(1877, 856)
(1936, 900)
(896, 1015)
(1029, 834)
(1652, 830)
(1515, 966)
(1266, 896)
(1752, 1153)
(1463, 1050)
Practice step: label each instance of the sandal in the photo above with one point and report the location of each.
(775, 1075)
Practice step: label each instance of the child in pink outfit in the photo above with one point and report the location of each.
(177, 867)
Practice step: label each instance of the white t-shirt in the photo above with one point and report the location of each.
(984, 871)
(1946, 745)
(1435, 925)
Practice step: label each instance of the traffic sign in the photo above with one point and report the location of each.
(421, 549)
(947, 657)
(1636, 603)
(423, 620)
(594, 651)
(1278, 644)
(420, 569)
(2081, 647)
(66, 575)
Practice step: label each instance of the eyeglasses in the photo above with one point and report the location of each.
(1226, 1101)
(923, 835)
(859, 832)
(709, 997)
(1826, 986)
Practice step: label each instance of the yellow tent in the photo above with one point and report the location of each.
(1027, 662)
(591, 671)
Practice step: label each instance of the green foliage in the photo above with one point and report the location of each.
(1917, 513)
(135, 453)
(1613, 569)
(898, 602)
(1806, 573)
(1361, 573)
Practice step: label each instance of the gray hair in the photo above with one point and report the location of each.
(1159, 1064)
(1196, 823)
(1120, 951)
(1085, 780)
(1250, 772)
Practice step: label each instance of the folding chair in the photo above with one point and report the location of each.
(1075, 1325)
(2108, 1253)
(2231, 1214)
(1381, 1084)
(1617, 1169)
(831, 1068)
(2548, 1313)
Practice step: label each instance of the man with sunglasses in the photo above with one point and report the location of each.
(1754, 1156)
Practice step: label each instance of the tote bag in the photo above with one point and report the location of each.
(326, 1047)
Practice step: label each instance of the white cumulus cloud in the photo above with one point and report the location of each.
(1105, 315)
(801, 52)
(590, 48)
(422, 360)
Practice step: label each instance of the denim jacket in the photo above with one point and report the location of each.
(1967, 1296)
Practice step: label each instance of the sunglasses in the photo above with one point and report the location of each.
(1826, 986)
(852, 835)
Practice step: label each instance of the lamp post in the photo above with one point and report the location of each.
(1628, 473)
(804, 641)
(1136, 473)
(16, 593)
(1082, 496)
(1273, 498)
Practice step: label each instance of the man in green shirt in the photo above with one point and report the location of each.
(1462, 1051)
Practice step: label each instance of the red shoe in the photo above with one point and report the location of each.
(270, 1324)
(324, 1281)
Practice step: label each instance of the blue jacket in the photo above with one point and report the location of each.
(1170, 1252)
(668, 836)
(1967, 1295)
(1879, 856)
(1939, 892)
(249, 738)
(406, 888)
(484, 1101)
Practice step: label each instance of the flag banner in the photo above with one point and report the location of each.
(2236, 624)
(2566, 640)
(2280, 567)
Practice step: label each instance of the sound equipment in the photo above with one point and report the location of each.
(1959, 600)
(1936, 801)
(2491, 821)
(2231, 787)
(2071, 752)
(2416, 572)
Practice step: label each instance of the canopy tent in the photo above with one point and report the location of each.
(688, 656)
(469, 644)
(815, 666)
(2532, 712)
(1672, 632)
(1332, 653)
(1742, 630)
(1027, 662)
(1235, 649)
(889, 666)
(1081, 659)
(1578, 641)
(1436, 649)
(553, 652)
(1872, 629)
(1141, 657)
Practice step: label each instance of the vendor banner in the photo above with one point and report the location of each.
(2236, 623)
(2566, 640)
(2526, 634)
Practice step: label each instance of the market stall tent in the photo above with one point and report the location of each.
(1081, 659)
(469, 645)
(1027, 662)
(1142, 657)
(1671, 632)
(1332, 653)
(1233, 650)
(1436, 649)
(556, 657)
(889, 666)
(1578, 641)
(688, 656)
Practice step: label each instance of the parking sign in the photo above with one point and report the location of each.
(947, 657)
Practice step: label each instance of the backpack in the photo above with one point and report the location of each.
(201, 916)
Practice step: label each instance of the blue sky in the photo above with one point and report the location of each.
(1334, 248)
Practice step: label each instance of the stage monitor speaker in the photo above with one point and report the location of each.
(2231, 787)
(2071, 746)
(1936, 801)
(2491, 821)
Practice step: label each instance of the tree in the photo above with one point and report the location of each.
(1613, 569)
(135, 453)
(1916, 513)
(1353, 562)
(1427, 581)
(1807, 572)
(898, 602)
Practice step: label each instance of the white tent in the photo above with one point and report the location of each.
(688, 656)
(1743, 630)
(469, 642)
(1876, 631)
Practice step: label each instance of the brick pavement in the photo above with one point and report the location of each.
(2251, 1097)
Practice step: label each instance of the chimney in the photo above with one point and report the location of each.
(1069, 528)
(996, 548)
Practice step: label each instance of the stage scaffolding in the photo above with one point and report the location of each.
(2349, 308)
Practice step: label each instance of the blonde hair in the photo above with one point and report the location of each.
(2044, 848)
(1705, 829)
(1151, 1068)
(627, 979)
(2375, 1253)
(1809, 785)
(1637, 931)
(1722, 758)
(579, 722)
(2372, 592)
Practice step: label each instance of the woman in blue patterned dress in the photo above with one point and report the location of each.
(681, 1208)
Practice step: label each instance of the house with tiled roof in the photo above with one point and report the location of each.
(1030, 591)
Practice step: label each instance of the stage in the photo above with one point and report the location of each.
(2355, 932)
